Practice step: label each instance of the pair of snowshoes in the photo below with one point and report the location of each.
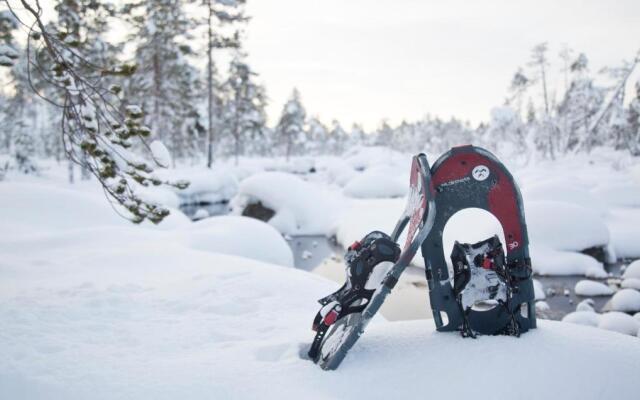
(490, 293)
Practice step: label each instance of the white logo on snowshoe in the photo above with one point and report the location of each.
(480, 173)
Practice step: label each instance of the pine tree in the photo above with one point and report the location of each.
(580, 104)
(165, 83)
(244, 114)
(93, 124)
(291, 126)
(220, 14)
(8, 46)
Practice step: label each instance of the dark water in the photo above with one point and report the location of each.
(310, 251)
(193, 209)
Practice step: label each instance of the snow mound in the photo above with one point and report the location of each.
(205, 185)
(626, 300)
(588, 318)
(301, 208)
(619, 322)
(619, 194)
(632, 271)
(592, 288)
(631, 283)
(565, 192)
(364, 157)
(240, 236)
(624, 226)
(546, 261)
(564, 226)
(538, 289)
(340, 173)
(376, 184)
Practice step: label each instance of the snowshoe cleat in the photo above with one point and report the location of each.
(346, 313)
(471, 177)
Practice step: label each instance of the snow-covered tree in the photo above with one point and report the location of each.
(8, 46)
(244, 115)
(633, 118)
(221, 14)
(291, 126)
(165, 82)
(92, 124)
(580, 104)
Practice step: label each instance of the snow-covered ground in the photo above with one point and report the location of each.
(92, 307)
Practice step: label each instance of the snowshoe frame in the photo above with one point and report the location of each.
(472, 177)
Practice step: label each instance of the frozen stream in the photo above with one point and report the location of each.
(310, 251)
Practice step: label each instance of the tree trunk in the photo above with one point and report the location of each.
(210, 87)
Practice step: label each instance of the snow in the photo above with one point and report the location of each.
(588, 318)
(538, 289)
(546, 261)
(631, 283)
(564, 226)
(619, 322)
(624, 226)
(376, 184)
(627, 300)
(592, 288)
(205, 185)
(585, 305)
(241, 236)
(632, 270)
(563, 191)
(160, 154)
(619, 194)
(95, 307)
(301, 207)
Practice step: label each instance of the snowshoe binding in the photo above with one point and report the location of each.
(374, 266)
(471, 177)
(481, 280)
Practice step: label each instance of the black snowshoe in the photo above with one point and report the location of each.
(346, 313)
(471, 177)
(464, 177)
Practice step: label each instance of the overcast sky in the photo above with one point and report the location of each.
(365, 60)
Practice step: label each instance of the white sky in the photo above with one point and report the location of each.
(368, 60)
(365, 60)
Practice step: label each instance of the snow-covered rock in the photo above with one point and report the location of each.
(619, 322)
(562, 191)
(240, 236)
(300, 207)
(619, 194)
(626, 300)
(588, 318)
(376, 184)
(547, 261)
(538, 290)
(563, 226)
(631, 283)
(592, 288)
(586, 305)
(624, 226)
(632, 270)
